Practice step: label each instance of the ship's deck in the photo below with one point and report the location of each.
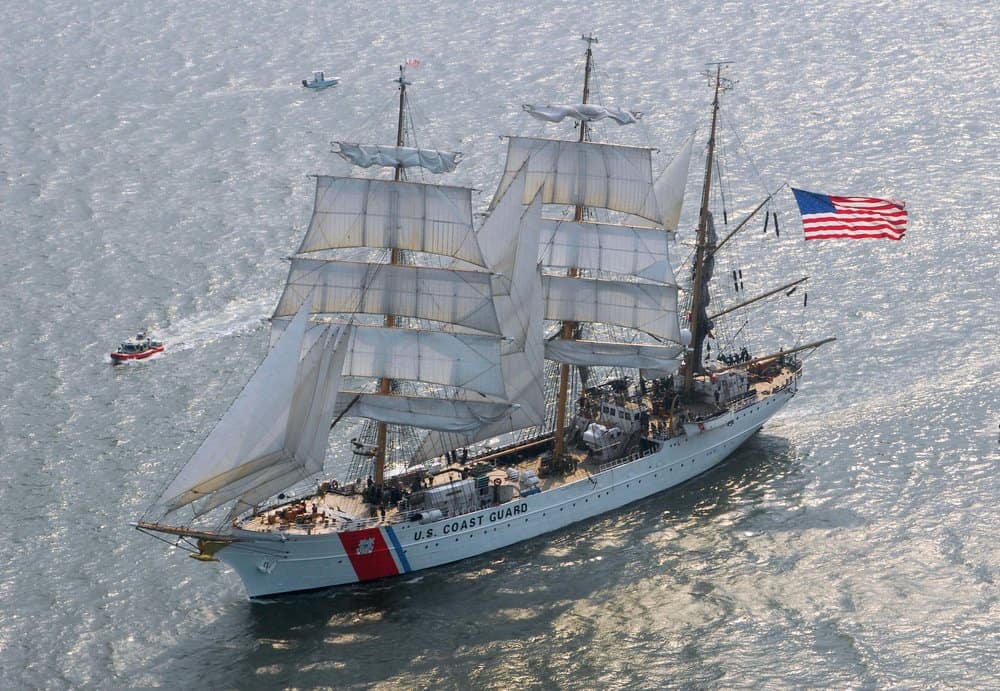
(336, 509)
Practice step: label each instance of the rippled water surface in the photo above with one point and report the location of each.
(153, 171)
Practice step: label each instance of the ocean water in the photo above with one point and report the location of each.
(154, 162)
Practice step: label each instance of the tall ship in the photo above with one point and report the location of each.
(495, 383)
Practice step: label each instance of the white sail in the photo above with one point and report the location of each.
(521, 313)
(587, 112)
(647, 307)
(607, 176)
(637, 355)
(452, 414)
(625, 250)
(270, 429)
(356, 212)
(320, 373)
(460, 360)
(670, 185)
(307, 434)
(367, 155)
(521, 318)
(456, 297)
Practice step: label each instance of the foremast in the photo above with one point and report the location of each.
(569, 327)
(443, 309)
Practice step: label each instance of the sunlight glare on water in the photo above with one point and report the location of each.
(154, 162)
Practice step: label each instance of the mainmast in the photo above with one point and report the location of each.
(569, 327)
(385, 384)
(698, 327)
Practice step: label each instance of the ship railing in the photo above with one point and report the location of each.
(374, 521)
(624, 459)
(744, 401)
(409, 514)
(788, 382)
(752, 397)
(356, 523)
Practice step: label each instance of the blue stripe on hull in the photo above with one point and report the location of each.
(399, 549)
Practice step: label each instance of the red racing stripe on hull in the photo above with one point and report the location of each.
(136, 356)
(369, 554)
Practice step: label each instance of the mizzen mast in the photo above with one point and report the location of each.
(698, 325)
(569, 327)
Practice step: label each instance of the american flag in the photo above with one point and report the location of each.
(825, 216)
(413, 62)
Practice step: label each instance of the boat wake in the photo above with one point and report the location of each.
(238, 318)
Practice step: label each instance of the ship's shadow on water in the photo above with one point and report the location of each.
(483, 606)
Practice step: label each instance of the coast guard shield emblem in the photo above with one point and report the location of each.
(369, 554)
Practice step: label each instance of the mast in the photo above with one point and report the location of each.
(569, 327)
(400, 122)
(693, 364)
(385, 384)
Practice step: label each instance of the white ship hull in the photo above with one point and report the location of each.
(274, 563)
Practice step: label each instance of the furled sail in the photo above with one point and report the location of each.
(453, 414)
(463, 298)
(276, 428)
(648, 307)
(367, 155)
(520, 311)
(587, 112)
(625, 250)
(358, 212)
(638, 355)
(704, 323)
(605, 176)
